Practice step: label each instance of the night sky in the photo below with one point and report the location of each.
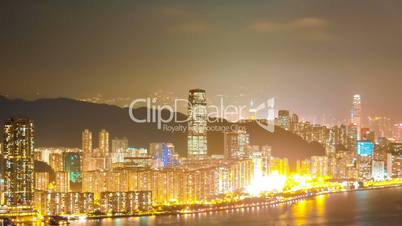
(312, 55)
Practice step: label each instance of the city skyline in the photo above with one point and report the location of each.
(325, 119)
(123, 181)
(277, 49)
(177, 112)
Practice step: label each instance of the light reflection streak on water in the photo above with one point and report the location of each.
(299, 212)
(320, 201)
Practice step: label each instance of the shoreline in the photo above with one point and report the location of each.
(233, 206)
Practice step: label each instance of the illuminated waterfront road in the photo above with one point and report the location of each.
(373, 207)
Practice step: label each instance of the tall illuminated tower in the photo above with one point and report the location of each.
(86, 141)
(356, 114)
(252, 111)
(197, 124)
(19, 172)
(104, 141)
(284, 119)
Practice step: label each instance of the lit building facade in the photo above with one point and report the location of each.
(182, 185)
(94, 182)
(162, 154)
(62, 181)
(294, 121)
(59, 203)
(365, 167)
(280, 165)
(86, 141)
(18, 153)
(56, 161)
(303, 167)
(319, 166)
(284, 119)
(352, 137)
(72, 165)
(356, 114)
(41, 181)
(197, 124)
(235, 144)
(346, 165)
(378, 170)
(104, 141)
(126, 202)
(119, 145)
(394, 165)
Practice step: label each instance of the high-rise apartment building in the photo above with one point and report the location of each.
(352, 132)
(62, 181)
(294, 120)
(235, 144)
(56, 161)
(19, 171)
(86, 141)
(162, 155)
(119, 145)
(319, 166)
(356, 114)
(41, 181)
(284, 119)
(104, 141)
(72, 165)
(197, 124)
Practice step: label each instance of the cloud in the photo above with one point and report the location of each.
(307, 28)
(297, 24)
(266, 26)
(309, 22)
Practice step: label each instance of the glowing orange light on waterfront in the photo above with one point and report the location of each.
(272, 183)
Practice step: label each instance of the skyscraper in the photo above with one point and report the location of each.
(356, 114)
(119, 145)
(72, 165)
(62, 181)
(352, 137)
(252, 111)
(197, 124)
(162, 154)
(18, 153)
(86, 141)
(283, 119)
(294, 120)
(319, 165)
(41, 181)
(235, 144)
(104, 141)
